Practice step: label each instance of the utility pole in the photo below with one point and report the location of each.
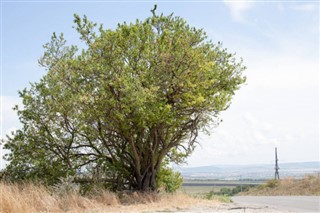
(276, 174)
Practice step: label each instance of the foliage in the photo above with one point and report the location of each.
(116, 109)
(270, 184)
(169, 179)
(233, 191)
(225, 198)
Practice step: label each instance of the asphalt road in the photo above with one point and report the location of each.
(285, 203)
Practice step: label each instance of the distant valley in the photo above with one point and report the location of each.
(250, 172)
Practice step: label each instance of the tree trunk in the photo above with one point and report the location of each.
(148, 182)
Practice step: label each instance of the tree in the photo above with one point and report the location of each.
(134, 96)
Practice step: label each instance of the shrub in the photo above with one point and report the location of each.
(272, 183)
(225, 198)
(66, 186)
(168, 179)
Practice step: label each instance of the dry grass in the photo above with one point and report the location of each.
(309, 185)
(29, 198)
(167, 203)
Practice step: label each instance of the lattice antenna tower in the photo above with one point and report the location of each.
(276, 174)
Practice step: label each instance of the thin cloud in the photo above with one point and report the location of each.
(240, 139)
(305, 7)
(9, 122)
(291, 73)
(9, 117)
(239, 9)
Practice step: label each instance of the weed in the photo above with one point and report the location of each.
(66, 186)
(272, 183)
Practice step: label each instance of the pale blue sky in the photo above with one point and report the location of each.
(279, 42)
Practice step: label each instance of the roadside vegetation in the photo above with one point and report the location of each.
(232, 191)
(223, 194)
(63, 197)
(218, 187)
(309, 185)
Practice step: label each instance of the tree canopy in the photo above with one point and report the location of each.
(136, 95)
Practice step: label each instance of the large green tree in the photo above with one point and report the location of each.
(116, 109)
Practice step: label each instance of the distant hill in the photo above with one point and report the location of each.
(258, 171)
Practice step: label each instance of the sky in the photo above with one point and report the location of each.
(278, 41)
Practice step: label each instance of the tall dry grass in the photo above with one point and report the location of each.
(29, 198)
(309, 185)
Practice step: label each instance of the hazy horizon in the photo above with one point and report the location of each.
(248, 164)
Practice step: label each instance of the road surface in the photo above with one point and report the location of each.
(285, 203)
